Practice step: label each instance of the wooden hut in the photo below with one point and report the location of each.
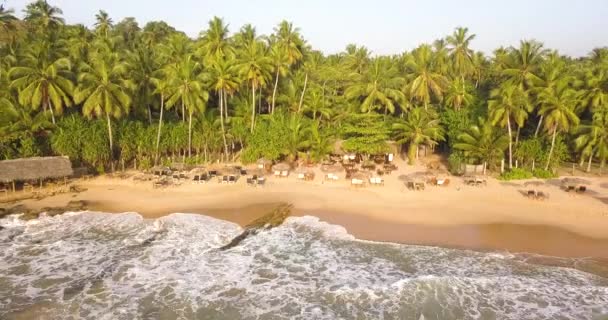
(34, 169)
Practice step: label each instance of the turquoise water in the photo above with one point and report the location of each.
(119, 266)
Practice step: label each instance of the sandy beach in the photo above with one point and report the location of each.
(494, 217)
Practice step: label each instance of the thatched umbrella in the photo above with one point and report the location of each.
(575, 180)
(536, 183)
(418, 175)
(332, 168)
(281, 167)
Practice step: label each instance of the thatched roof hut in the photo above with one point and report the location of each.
(31, 169)
(332, 168)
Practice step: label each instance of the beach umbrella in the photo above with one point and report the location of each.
(575, 180)
(281, 167)
(332, 168)
(535, 183)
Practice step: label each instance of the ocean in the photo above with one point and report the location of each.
(93, 265)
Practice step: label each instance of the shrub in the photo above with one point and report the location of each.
(516, 174)
(544, 174)
(455, 163)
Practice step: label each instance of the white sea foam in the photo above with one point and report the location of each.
(120, 266)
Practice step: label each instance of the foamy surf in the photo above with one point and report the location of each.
(120, 266)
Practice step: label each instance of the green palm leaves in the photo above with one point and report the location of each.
(419, 127)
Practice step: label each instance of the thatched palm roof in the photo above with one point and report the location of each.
(281, 166)
(27, 169)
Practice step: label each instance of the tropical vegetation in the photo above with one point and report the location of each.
(122, 95)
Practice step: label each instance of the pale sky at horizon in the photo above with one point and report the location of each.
(383, 26)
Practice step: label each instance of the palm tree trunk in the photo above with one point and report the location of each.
(225, 104)
(48, 104)
(510, 143)
(589, 163)
(160, 125)
(149, 114)
(183, 113)
(222, 121)
(274, 91)
(190, 134)
(540, 121)
(552, 145)
(252, 106)
(111, 142)
(302, 95)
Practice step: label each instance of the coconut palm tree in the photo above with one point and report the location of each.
(425, 82)
(523, 63)
(558, 109)
(162, 87)
(224, 81)
(509, 104)
(315, 104)
(483, 142)
(461, 54)
(103, 24)
(592, 138)
(7, 23)
(43, 81)
(104, 89)
(43, 17)
(419, 127)
(254, 67)
(551, 72)
(458, 95)
(378, 87)
(215, 42)
(280, 61)
(188, 90)
(320, 142)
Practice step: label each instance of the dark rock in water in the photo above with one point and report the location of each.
(28, 214)
(268, 221)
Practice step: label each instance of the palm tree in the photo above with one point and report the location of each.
(103, 24)
(103, 89)
(289, 40)
(255, 67)
(320, 142)
(509, 104)
(280, 62)
(557, 107)
(187, 89)
(314, 104)
(42, 81)
(523, 63)
(595, 85)
(419, 127)
(224, 80)
(378, 87)
(551, 72)
(357, 58)
(7, 23)
(592, 138)
(162, 87)
(483, 142)
(458, 95)
(426, 81)
(215, 44)
(43, 17)
(461, 54)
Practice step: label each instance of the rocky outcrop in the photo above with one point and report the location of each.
(29, 214)
(268, 221)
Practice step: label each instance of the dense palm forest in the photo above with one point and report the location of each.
(124, 95)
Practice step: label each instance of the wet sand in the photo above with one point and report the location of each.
(513, 238)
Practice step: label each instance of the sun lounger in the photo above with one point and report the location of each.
(356, 182)
(581, 189)
(224, 179)
(531, 194)
(261, 181)
(284, 173)
(196, 179)
(243, 172)
(232, 179)
(213, 173)
(277, 173)
(541, 195)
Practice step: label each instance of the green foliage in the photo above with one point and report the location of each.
(516, 174)
(544, 174)
(456, 160)
(455, 122)
(365, 133)
(267, 141)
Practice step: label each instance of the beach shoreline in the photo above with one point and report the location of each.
(496, 217)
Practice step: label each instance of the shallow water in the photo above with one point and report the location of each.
(119, 266)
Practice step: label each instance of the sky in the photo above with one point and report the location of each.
(573, 27)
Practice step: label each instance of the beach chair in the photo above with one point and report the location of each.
(410, 185)
(277, 173)
(243, 172)
(581, 189)
(196, 179)
(251, 182)
(232, 179)
(224, 179)
(212, 173)
(531, 194)
(284, 174)
(261, 181)
(541, 195)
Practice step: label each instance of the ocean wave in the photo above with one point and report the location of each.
(95, 265)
